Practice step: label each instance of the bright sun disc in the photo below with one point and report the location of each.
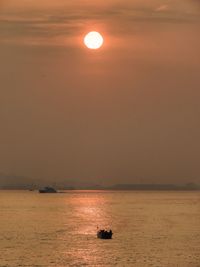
(93, 40)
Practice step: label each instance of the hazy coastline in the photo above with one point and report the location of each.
(116, 187)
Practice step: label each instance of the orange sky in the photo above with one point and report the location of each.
(128, 112)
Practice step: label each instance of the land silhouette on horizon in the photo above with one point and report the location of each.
(117, 187)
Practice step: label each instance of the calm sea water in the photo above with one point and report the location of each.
(156, 229)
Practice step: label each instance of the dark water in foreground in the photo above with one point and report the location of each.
(150, 229)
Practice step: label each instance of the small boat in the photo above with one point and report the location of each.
(103, 234)
(47, 189)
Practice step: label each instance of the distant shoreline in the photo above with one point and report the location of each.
(116, 187)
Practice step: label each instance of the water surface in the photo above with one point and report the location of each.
(58, 230)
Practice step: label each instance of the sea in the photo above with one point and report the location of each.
(151, 229)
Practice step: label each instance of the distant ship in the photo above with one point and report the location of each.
(47, 189)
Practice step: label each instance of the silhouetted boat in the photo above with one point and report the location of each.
(47, 189)
(103, 234)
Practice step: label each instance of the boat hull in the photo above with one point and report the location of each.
(47, 190)
(104, 234)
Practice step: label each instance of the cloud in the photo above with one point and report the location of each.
(55, 26)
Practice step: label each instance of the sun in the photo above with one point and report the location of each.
(93, 40)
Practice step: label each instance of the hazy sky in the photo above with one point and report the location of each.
(129, 112)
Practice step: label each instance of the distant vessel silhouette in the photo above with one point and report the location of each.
(47, 189)
(103, 234)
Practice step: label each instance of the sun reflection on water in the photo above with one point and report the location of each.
(92, 212)
(88, 210)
